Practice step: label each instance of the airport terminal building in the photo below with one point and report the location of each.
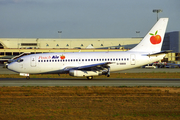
(172, 41)
(16, 46)
(50, 43)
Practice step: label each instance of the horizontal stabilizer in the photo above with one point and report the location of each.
(159, 53)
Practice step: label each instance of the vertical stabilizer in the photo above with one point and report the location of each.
(152, 42)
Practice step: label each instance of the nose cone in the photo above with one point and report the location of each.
(9, 66)
(12, 67)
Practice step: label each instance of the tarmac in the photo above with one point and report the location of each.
(84, 82)
(95, 82)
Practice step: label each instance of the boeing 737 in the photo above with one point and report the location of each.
(91, 64)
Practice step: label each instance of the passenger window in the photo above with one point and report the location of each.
(44, 60)
(49, 60)
(94, 59)
(38, 60)
(41, 60)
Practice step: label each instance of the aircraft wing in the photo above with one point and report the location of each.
(98, 66)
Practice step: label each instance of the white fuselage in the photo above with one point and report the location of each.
(52, 63)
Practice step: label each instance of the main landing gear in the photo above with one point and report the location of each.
(108, 73)
(27, 77)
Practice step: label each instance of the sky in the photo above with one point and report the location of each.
(84, 18)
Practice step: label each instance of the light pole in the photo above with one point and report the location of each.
(59, 33)
(137, 32)
(157, 11)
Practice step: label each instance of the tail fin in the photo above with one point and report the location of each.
(152, 42)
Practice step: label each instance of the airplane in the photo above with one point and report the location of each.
(90, 64)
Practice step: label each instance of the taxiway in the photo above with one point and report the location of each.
(84, 82)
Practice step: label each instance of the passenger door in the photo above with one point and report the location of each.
(133, 59)
(33, 61)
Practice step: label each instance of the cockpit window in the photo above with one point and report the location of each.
(20, 60)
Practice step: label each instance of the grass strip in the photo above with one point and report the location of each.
(90, 103)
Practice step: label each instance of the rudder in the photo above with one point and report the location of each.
(153, 40)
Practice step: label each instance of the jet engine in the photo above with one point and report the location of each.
(81, 73)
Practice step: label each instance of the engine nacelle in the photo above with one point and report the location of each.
(81, 73)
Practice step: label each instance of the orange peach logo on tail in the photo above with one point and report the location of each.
(62, 57)
(155, 39)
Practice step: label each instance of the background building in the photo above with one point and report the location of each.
(172, 41)
(10, 47)
(50, 43)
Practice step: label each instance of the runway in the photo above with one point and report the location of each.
(84, 82)
(95, 82)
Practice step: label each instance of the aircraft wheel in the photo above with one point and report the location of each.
(27, 77)
(90, 77)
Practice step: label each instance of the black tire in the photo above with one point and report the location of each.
(90, 77)
(27, 77)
